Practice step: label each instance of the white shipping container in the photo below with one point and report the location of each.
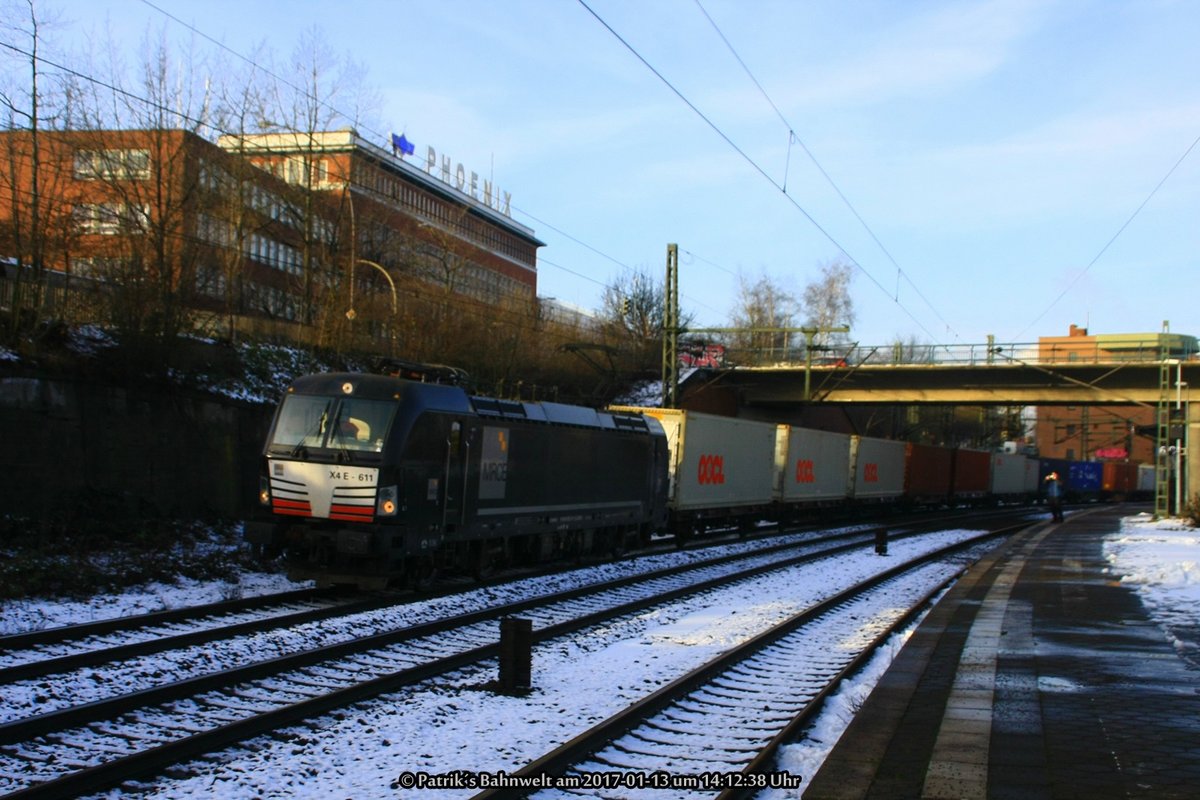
(1010, 475)
(716, 462)
(878, 468)
(1032, 476)
(811, 466)
(1146, 479)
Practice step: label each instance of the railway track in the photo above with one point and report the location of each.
(103, 743)
(715, 730)
(57, 650)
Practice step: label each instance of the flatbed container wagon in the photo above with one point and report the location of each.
(1084, 479)
(1119, 479)
(1146, 478)
(1013, 477)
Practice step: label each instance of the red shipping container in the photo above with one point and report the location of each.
(1119, 478)
(927, 471)
(972, 473)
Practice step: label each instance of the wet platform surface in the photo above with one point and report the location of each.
(1037, 676)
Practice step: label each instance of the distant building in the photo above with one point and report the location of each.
(150, 210)
(249, 226)
(441, 224)
(1109, 432)
(552, 309)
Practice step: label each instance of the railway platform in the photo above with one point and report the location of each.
(1037, 676)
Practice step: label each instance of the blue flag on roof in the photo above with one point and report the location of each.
(402, 145)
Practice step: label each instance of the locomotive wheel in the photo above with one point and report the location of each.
(618, 543)
(486, 558)
(422, 573)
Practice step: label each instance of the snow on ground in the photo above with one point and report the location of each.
(453, 723)
(18, 616)
(456, 725)
(1161, 560)
(1158, 558)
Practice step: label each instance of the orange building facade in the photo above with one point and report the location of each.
(1124, 433)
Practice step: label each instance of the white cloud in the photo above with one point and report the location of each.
(925, 54)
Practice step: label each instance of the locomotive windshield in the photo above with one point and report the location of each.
(315, 422)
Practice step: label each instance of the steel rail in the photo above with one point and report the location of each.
(91, 658)
(557, 762)
(65, 633)
(154, 760)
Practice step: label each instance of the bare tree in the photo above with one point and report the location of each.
(907, 351)
(763, 307)
(633, 312)
(827, 303)
(321, 93)
(31, 183)
(230, 219)
(144, 183)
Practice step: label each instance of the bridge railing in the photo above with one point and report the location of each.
(991, 354)
(1005, 353)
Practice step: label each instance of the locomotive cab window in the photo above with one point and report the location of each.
(332, 423)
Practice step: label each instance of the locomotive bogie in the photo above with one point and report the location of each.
(437, 480)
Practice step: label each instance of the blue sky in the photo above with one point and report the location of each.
(993, 148)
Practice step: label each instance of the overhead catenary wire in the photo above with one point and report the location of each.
(198, 122)
(757, 168)
(517, 322)
(794, 137)
(304, 91)
(1078, 277)
(208, 124)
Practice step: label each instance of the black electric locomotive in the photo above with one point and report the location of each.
(369, 479)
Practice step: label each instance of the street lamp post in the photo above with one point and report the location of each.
(351, 314)
(355, 260)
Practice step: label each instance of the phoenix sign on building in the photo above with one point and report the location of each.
(438, 220)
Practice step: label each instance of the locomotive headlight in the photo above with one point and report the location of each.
(264, 491)
(387, 506)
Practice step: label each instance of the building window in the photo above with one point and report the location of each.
(95, 267)
(210, 280)
(108, 219)
(112, 164)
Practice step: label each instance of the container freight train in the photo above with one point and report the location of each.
(374, 480)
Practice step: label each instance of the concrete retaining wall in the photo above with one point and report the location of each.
(171, 453)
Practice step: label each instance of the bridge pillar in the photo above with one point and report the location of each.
(1192, 461)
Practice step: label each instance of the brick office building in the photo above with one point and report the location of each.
(1103, 432)
(152, 214)
(428, 218)
(253, 226)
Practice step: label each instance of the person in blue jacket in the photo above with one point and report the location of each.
(1054, 496)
